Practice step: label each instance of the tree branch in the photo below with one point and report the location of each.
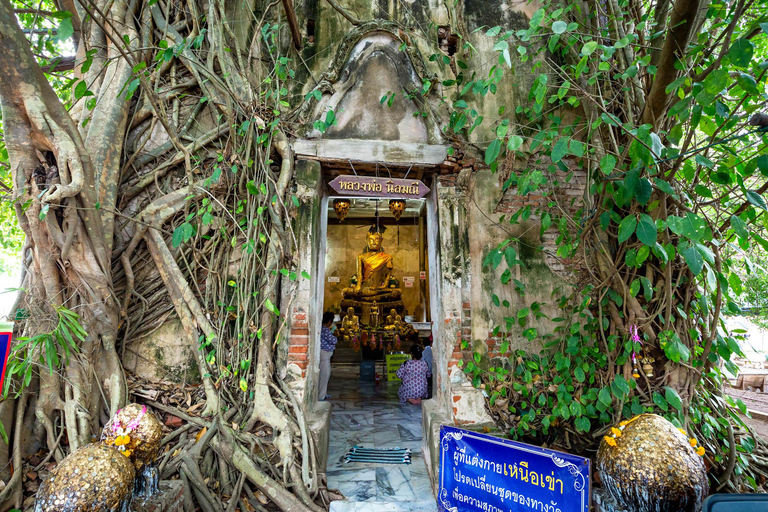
(344, 13)
(681, 23)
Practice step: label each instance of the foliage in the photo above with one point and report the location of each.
(675, 183)
(48, 350)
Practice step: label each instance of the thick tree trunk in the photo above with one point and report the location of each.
(72, 179)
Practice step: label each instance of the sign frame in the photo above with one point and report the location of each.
(6, 337)
(458, 492)
(374, 186)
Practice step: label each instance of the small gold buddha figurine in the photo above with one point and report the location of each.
(350, 324)
(374, 315)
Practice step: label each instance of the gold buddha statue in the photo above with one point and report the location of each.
(373, 287)
(394, 321)
(350, 325)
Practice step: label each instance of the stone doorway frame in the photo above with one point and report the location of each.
(363, 155)
(431, 239)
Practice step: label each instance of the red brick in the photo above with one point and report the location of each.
(456, 398)
(297, 349)
(298, 340)
(297, 357)
(299, 331)
(466, 305)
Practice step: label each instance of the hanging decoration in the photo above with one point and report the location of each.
(341, 207)
(397, 207)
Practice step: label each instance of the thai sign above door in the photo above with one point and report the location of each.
(370, 186)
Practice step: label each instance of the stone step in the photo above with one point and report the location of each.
(345, 354)
(383, 506)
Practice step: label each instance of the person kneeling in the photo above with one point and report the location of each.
(414, 374)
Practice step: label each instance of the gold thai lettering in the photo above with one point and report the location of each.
(360, 186)
(405, 190)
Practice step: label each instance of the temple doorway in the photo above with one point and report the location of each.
(376, 282)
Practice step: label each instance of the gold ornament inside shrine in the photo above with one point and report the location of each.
(397, 207)
(341, 207)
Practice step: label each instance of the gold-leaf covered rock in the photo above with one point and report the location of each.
(136, 432)
(646, 464)
(96, 478)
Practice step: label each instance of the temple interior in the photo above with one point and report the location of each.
(391, 315)
(376, 283)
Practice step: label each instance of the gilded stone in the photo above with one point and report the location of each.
(137, 432)
(96, 478)
(652, 467)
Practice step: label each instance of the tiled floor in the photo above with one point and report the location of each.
(369, 414)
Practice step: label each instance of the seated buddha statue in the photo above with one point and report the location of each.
(350, 325)
(373, 286)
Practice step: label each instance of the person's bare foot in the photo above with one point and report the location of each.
(414, 401)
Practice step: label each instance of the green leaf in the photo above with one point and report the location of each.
(621, 384)
(646, 230)
(492, 153)
(589, 48)
(660, 401)
(748, 83)
(756, 199)
(665, 187)
(271, 307)
(739, 226)
(559, 149)
(576, 148)
(627, 228)
(675, 350)
(515, 141)
(579, 375)
(607, 164)
(582, 424)
(500, 45)
(693, 259)
(559, 27)
(673, 398)
(741, 52)
(80, 89)
(604, 396)
(66, 30)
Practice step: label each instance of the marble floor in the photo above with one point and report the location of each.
(369, 414)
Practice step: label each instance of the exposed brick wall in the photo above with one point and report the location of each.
(461, 334)
(298, 339)
(566, 189)
(493, 343)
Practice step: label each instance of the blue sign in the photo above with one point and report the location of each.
(5, 350)
(489, 474)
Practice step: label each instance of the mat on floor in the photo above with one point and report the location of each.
(378, 455)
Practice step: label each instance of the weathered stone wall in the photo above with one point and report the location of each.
(399, 45)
